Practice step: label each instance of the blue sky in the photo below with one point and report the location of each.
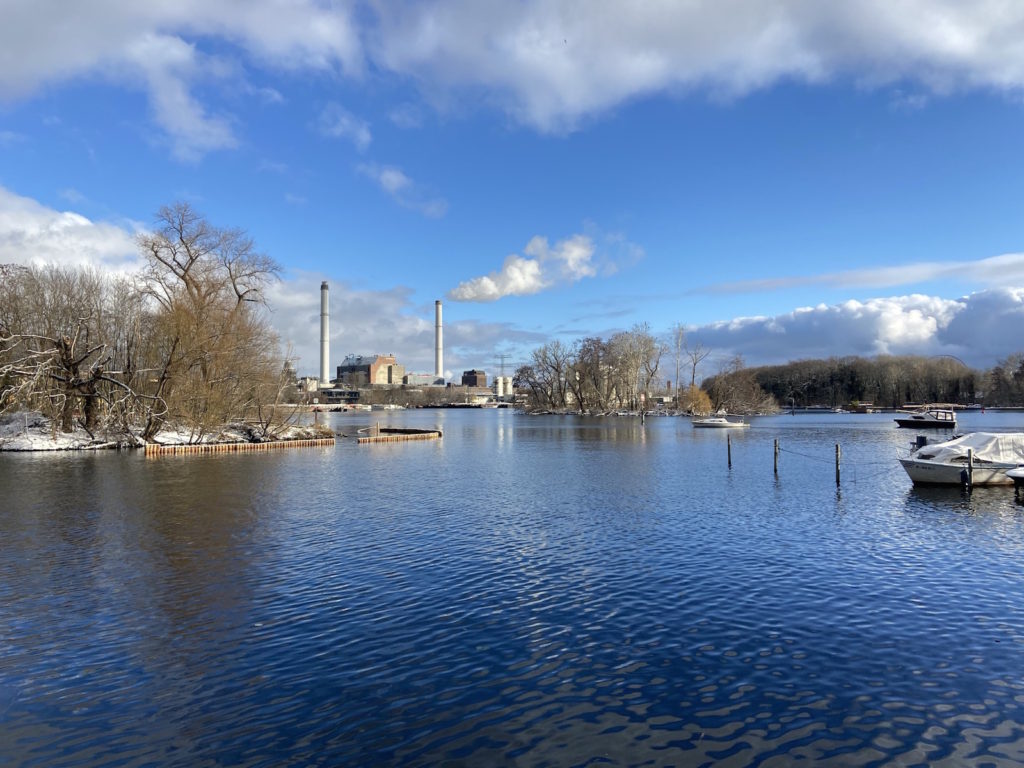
(788, 179)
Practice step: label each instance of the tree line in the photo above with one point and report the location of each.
(886, 381)
(595, 375)
(623, 372)
(183, 342)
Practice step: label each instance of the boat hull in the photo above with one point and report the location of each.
(925, 424)
(721, 424)
(924, 472)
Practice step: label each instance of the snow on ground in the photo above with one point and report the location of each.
(31, 431)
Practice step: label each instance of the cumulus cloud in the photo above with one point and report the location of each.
(338, 122)
(542, 267)
(547, 63)
(403, 190)
(156, 46)
(550, 65)
(32, 233)
(979, 329)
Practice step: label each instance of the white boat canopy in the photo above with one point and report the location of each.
(1005, 448)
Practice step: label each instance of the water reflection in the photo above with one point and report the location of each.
(525, 591)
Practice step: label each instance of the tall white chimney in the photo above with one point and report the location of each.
(438, 346)
(325, 338)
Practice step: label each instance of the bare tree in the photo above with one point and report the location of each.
(214, 344)
(696, 352)
(58, 351)
(677, 340)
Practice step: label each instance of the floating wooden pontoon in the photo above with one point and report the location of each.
(156, 449)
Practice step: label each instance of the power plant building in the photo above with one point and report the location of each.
(502, 387)
(419, 380)
(375, 370)
(362, 371)
(474, 378)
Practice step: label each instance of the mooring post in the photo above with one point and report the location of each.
(839, 454)
(776, 467)
(728, 448)
(970, 468)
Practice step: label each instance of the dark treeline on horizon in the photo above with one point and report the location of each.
(886, 381)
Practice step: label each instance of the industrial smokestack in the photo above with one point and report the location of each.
(325, 338)
(438, 346)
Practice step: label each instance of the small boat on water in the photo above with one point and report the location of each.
(717, 422)
(933, 418)
(987, 456)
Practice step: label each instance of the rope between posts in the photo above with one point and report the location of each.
(806, 456)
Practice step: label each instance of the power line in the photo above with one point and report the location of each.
(501, 361)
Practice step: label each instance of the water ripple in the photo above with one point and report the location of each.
(543, 592)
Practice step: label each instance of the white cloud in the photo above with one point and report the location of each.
(517, 277)
(337, 122)
(992, 271)
(550, 64)
(168, 65)
(406, 192)
(979, 329)
(31, 233)
(156, 46)
(547, 63)
(542, 267)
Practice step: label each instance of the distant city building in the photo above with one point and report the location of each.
(362, 371)
(309, 384)
(474, 378)
(335, 396)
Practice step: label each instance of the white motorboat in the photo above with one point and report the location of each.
(986, 456)
(933, 418)
(718, 422)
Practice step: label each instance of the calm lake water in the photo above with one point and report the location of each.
(535, 591)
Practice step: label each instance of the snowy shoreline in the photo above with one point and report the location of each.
(30, 431)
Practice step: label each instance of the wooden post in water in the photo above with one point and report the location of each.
(970, 468)
(839, 455)
(728, 448)
(776, 456)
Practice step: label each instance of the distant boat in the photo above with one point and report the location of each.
(933, 418)
(717, 422)
(946, 463)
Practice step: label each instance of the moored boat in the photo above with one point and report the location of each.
(717, 422)
(932, 418)
(983, 456)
